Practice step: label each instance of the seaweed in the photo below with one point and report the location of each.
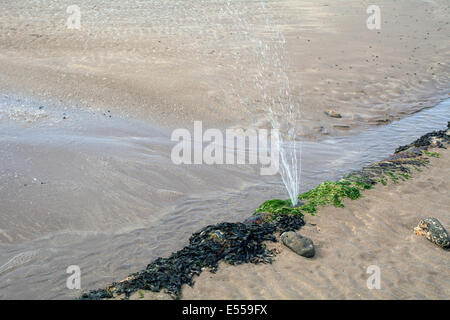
(397, 167)
(286, 223)
(237, 243)
(392, 176)
(392, 169)
(329, 192)
(432, 154)
(234, 243)
(426, 140)
(277, 207)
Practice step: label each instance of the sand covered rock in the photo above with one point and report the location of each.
(300, 245)
(433, 230)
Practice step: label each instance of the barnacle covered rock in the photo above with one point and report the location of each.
(433, 230)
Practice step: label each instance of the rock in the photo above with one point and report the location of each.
(433, 139)
(217, 236)
(413, 152)
(333, 114)
(383, 121)
(323, 130)
(341, 127)
(435, 142)
(433, 230)
(300, 245)
(258, 218)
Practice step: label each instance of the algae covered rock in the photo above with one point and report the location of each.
(433, 230)
(300, 245)
(277, 207)
(330, 192)
(433, 139)
(412, 152)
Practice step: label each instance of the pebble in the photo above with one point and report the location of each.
(323, 131)
(333, 114)
(435, 142)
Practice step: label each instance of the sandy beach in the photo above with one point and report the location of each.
(176, 63)
(374, 230)
(86, 116)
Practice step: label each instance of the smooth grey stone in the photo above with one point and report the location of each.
(300, 245)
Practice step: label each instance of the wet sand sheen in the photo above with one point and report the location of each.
(101, 193)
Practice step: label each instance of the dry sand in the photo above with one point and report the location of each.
(174, 62)
(374, 230)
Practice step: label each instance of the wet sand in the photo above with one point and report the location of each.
(101, 192)
(173, 63)
(374, 230)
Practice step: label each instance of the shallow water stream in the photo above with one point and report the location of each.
(99, 191)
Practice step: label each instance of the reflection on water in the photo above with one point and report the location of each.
(87, 189)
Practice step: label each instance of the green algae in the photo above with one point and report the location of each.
(237, 243)
(393, 177)
(432, 154)
(396, 168)
(349, 187)
(331, 193)
(278, 207)
(326, 193)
